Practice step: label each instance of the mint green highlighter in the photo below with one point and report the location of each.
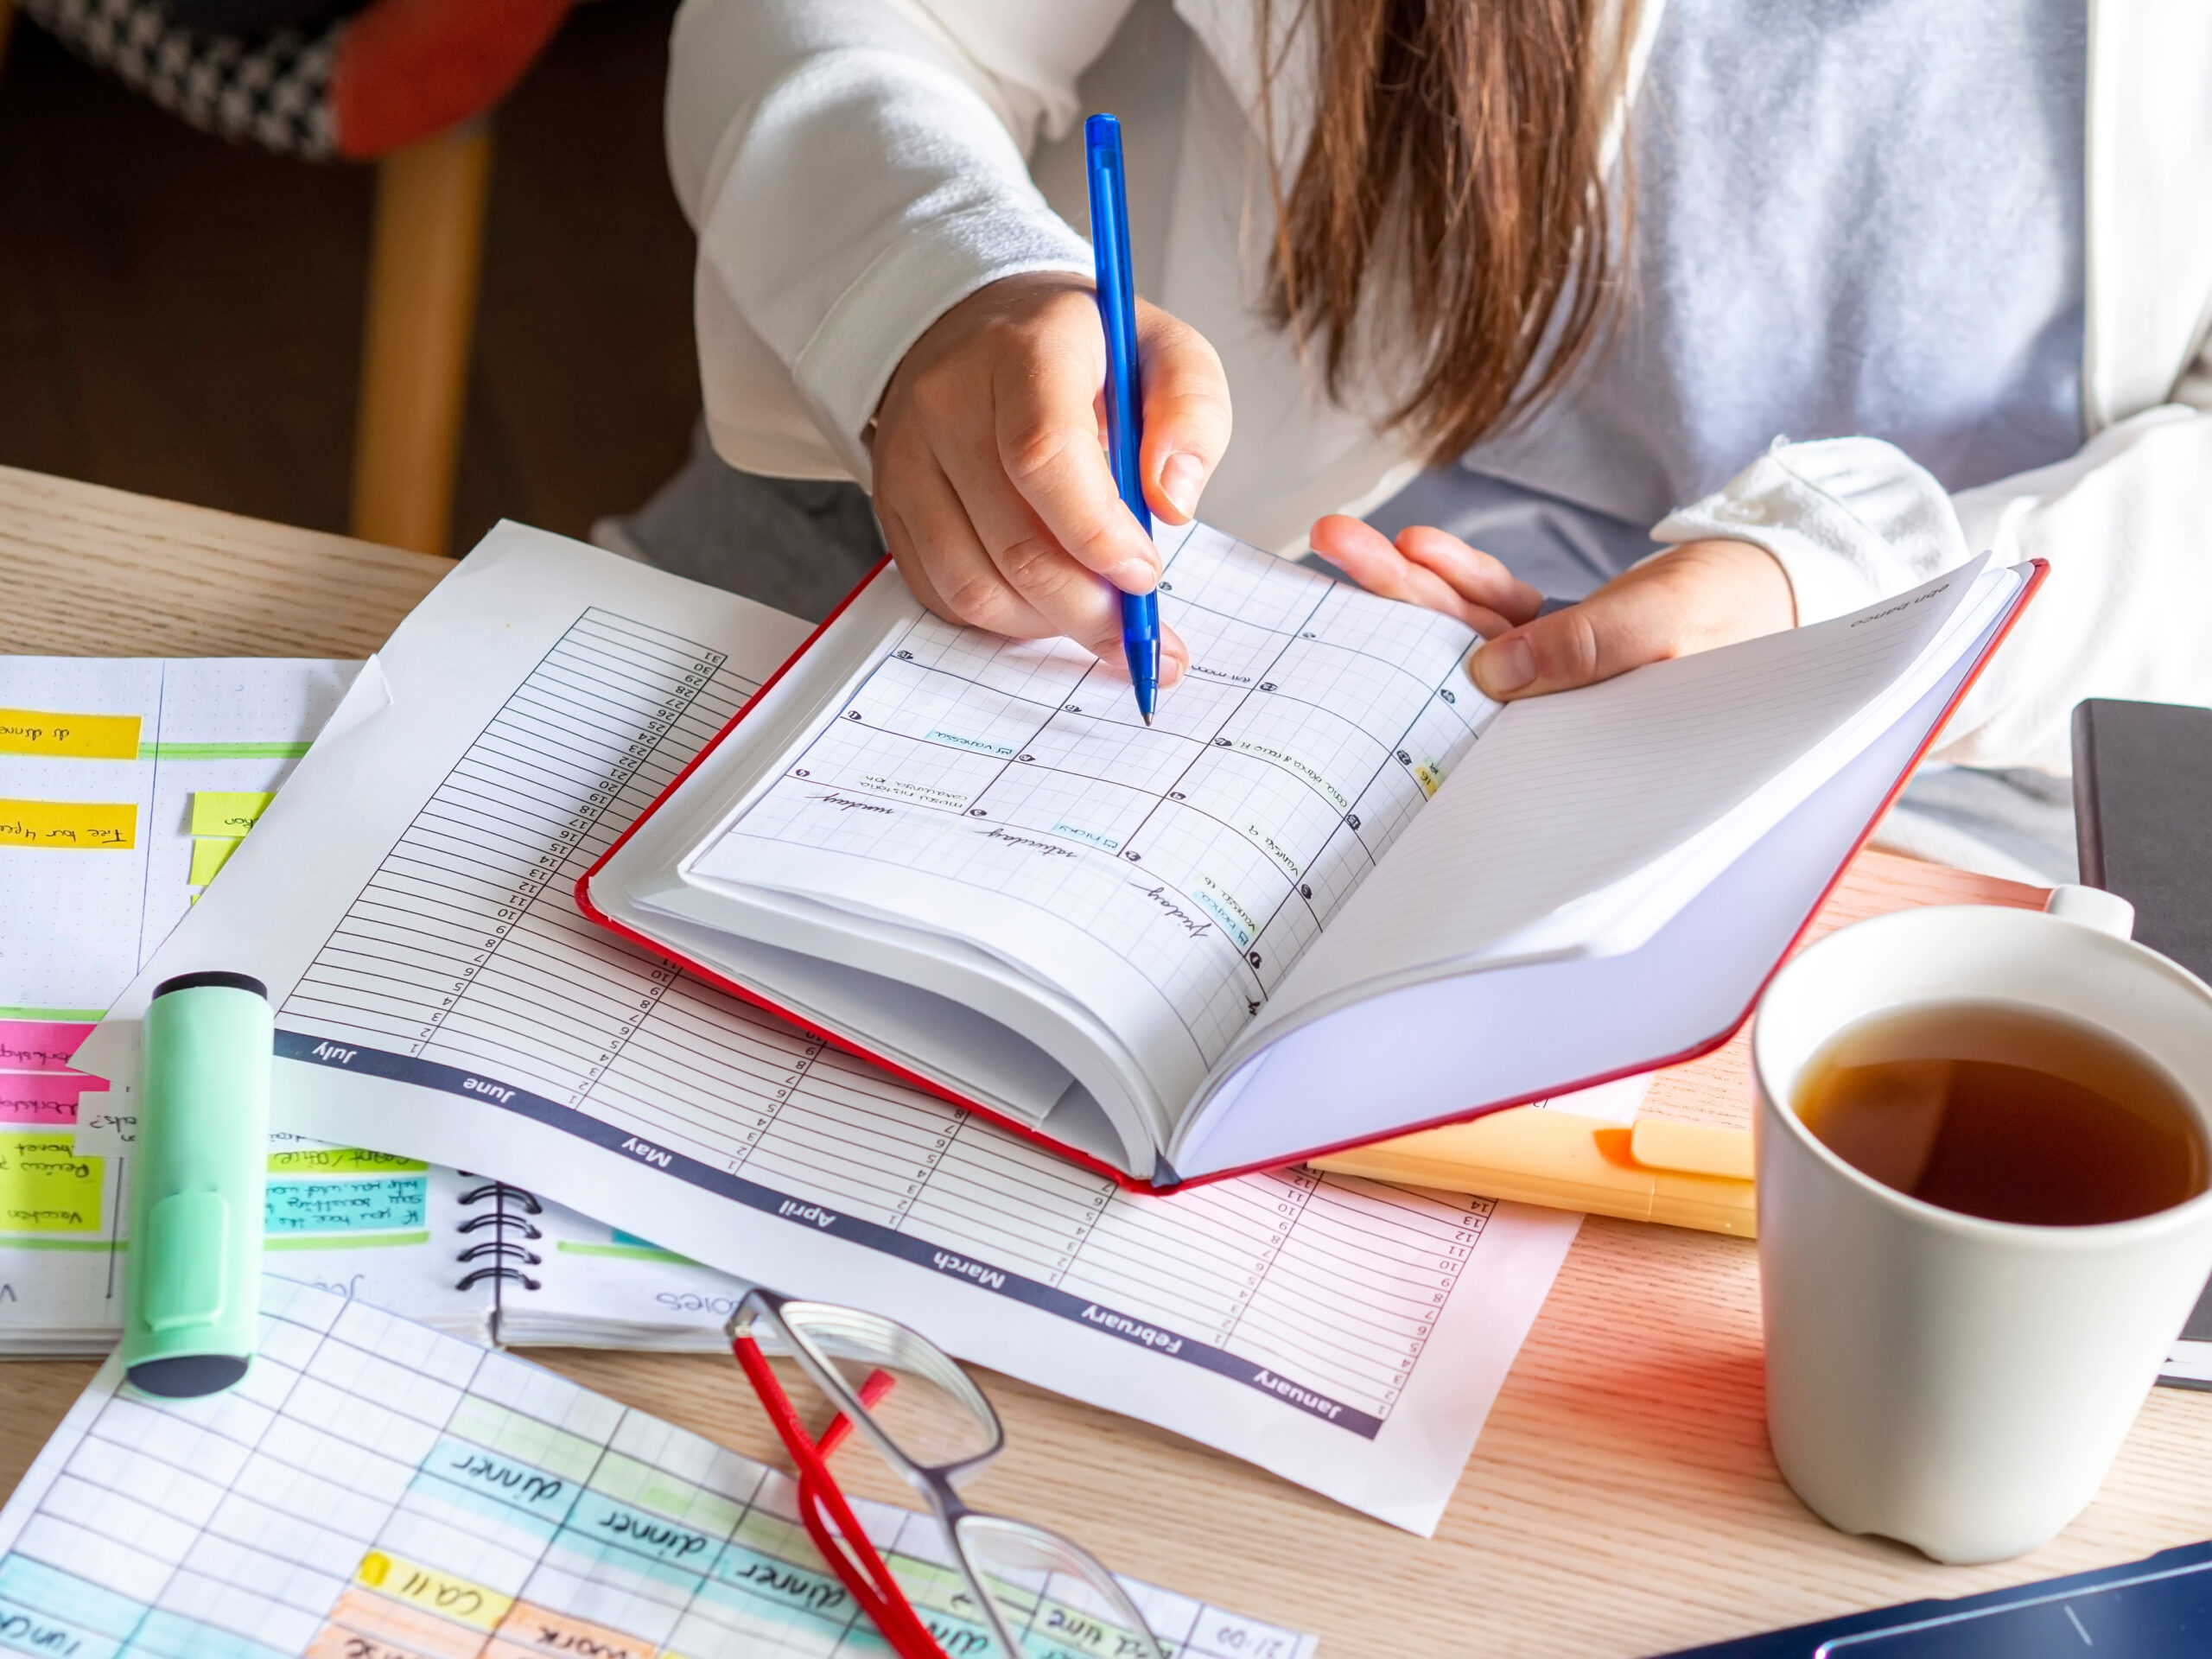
(191, 1305)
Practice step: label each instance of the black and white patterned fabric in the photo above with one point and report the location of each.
(272, 90)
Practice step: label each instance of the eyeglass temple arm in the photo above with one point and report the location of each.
(849, 1553)
(886, 1604)
(879, 1383)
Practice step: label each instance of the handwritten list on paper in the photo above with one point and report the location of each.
(374, 1487)
(115, 756)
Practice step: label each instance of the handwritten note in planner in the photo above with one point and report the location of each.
(376, 1488)
(99, 762)
(1174, 872)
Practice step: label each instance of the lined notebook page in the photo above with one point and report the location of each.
(1566, 794)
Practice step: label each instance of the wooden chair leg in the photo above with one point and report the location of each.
(424, 255)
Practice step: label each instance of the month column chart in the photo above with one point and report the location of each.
(465, 946)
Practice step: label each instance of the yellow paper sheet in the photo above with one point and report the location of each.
(227, 812)
(209, 855)
(70, 737)
(445, 1594)
(45, 1187)
(85, 825)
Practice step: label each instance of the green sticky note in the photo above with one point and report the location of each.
(209, 856)
(228, 812)
(45, 1187)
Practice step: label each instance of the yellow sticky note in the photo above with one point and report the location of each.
(209, 855)
(46, 1187)
(81, 824)
(448, 1593)
(227, 812)
(73, 737)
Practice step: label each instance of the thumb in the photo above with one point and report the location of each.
(1690, 598)
(1187, 417)
(1608, 633)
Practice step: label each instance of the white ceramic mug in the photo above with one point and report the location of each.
(1960, 1384)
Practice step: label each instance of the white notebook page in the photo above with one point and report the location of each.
(1569, 794)
(1008, 794)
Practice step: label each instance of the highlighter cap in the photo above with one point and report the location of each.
(192, 1299)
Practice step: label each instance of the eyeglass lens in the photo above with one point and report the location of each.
(1055, 1600)
(931, 1412)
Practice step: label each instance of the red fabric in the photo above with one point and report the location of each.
(408, 69)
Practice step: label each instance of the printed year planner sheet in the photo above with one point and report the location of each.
(409, 898)
(374, 1490)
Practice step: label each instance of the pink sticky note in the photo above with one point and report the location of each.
(39, 1045)
(48, 1088)
(44, 1107)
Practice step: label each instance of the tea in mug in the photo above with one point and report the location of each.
(2007, 1113)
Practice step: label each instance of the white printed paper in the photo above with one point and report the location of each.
(409, 901)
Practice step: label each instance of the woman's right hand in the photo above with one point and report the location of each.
(991, 477)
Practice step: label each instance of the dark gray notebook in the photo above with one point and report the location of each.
(2160, 1608)
(2143, 823)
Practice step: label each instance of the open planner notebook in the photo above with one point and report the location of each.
(409, 898)
(374, 1490)
(1332, 895)
(126, 784)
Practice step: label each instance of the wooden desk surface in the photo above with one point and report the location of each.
(1621, 1501)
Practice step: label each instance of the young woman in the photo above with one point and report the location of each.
(1828, 296)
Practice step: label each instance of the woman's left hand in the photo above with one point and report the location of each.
(1689, 598)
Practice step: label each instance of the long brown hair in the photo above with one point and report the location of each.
(1455, 167)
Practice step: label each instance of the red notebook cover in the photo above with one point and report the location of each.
(2039, 569)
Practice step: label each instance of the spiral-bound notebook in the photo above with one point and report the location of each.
(467, 1256)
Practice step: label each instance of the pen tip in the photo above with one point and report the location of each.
(1147, 720)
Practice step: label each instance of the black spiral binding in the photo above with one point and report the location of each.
(506, 1256)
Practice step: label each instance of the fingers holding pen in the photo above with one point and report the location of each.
(990, 479)
(1187, 413)
(1046, 447)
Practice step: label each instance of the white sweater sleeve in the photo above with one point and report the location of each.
(854, 168)
(2126, 611)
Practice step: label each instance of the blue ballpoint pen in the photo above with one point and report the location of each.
(1117, 310)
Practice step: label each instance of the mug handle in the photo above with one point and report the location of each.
(2093, 907)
